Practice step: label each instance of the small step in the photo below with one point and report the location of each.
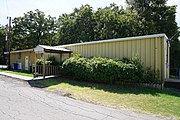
(172, 83)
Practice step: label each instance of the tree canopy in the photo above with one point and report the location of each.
(77, 26)
(159, 18)
(2, 44)
(32, 29)
(115, 22)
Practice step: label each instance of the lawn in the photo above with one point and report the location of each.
(23, 73)
(166, 102)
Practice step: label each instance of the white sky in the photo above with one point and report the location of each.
(16, 8)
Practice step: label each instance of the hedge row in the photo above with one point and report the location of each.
(107, 70)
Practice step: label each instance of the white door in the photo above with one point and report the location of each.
(26, 62)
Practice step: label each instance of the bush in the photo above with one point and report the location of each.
(151, 76)
(39, 61)
(106, 70)
(50, 61)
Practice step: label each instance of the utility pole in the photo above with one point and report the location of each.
(9, 42)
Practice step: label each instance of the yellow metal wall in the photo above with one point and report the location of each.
(150, 50)
(30, 54)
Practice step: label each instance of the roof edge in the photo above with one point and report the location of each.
(17, 51)
(117, 39)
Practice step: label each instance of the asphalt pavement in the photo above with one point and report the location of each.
(20, 101)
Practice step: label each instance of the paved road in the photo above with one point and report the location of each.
(19, 101)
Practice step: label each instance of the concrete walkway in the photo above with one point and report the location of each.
(16, 76)
(21, 77)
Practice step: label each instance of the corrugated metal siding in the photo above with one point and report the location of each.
(150, 50)
(143, 48)
(31, 55)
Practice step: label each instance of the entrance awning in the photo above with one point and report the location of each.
(50, 49)
(42, 49)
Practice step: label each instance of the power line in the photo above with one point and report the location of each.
(7, 8)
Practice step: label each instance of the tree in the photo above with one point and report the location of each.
(2, 44)
(159, 18)
(107, 22)
(84, 24)
(77, 26)
(33, 29)
(66, 29)
(115, 22)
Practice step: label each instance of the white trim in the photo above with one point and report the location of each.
(42, 48)
(39, 49)
(165, 62)
(54, 48)
(115, 40)
(26, 62)
(26, 50)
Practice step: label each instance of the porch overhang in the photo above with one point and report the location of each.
(50, 49)
(42, 49)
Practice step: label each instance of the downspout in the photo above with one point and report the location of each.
(167, 57)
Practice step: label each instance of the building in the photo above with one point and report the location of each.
(153, 51)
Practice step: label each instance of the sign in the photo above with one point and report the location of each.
(26, 62)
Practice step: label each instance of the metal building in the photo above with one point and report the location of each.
(152, 49)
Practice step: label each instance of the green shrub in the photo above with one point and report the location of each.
(50, 61)
(151, 76)
(107, 70)
(39, 61)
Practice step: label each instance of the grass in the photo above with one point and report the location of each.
(166, 102)
(23, 73)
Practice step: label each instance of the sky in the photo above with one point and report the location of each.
(16, 8)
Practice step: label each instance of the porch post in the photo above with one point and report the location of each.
(61, 57)
(35, 57)
(69, 55)
(44, 67)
